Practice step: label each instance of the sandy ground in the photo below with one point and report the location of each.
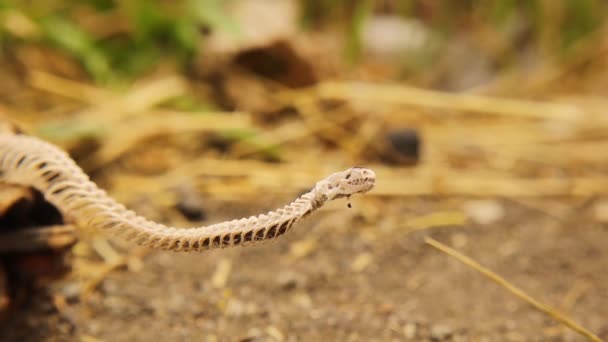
(343, 276)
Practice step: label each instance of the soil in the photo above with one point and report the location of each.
(352, 275)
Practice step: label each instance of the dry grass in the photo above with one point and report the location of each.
(474, 145)
(553, 313)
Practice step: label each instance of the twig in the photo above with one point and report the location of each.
(514, 290)
(70, 89)
(56, 237)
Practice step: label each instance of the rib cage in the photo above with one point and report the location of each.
(32, 162)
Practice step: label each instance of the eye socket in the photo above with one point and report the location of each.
(348, 176)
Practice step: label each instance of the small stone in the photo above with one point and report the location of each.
(386, 309)
(440, 332)
(484, 212)
(71, 292)
(302, 248)
(302, 300)
(361, 262)
(462, 338)
(235, 308)
(600, 211)
(289, 280)
(410, 330)
(275, 333)
(459, 240)
(176, 303)
(253, 334)
(403, 147)
(190, 203)
(109, 287)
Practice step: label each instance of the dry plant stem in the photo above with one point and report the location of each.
(514, 290)
(136, 101)
(32, 162)
(402, 95)
(397, 182)
(67, 88)
(38, 238)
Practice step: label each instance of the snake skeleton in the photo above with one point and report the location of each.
(29, 161)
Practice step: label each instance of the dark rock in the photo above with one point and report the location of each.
(402, 147)
(190, 203)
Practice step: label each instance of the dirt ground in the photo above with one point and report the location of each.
(343, 277)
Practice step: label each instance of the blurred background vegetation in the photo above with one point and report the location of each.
(117, 40)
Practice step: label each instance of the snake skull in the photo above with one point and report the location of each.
(346, 183)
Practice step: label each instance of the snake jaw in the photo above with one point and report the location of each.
(346, 183)
(362, 180)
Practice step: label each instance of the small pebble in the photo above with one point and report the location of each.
(71, 292)
(253, 334)
(190, 203)
(302, 300)
(361, 262)
(275, 333)
(289, 280)
(440, 332)
(238, 308)
(484, 212)
(302, 248)
(459, 240)
(600, 211)
(403, 147)
(410, 330)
